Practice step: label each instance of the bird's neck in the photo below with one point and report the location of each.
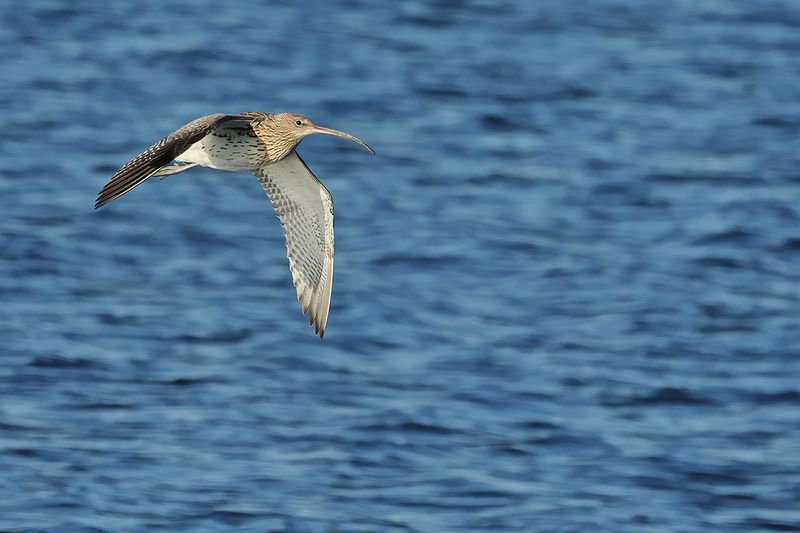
(277, 142)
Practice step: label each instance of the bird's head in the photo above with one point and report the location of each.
(289, 129)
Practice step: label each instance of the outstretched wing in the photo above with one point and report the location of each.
(144, 165)
(305, 209)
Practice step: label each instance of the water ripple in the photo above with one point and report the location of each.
(566, 288)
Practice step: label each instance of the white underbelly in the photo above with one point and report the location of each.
(229, 149)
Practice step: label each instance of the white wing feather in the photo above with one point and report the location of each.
(305, 209)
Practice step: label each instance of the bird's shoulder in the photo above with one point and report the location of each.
(254, 115)
(210, 123)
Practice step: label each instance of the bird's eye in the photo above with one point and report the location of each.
(299, 122)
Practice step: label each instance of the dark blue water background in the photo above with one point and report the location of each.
(566, 291)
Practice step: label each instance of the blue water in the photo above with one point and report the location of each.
(566, 294)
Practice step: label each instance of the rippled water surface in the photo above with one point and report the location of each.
(566, 290)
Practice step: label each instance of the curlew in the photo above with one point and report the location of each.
(263, 143)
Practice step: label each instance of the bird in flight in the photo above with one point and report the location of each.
(263, 143)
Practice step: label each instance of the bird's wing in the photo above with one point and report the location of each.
(144, 165)
(305, 209)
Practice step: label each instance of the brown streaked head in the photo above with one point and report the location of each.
(286, 130)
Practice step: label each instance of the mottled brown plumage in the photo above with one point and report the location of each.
(265, 144)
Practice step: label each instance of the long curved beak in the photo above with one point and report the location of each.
(343, 135)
